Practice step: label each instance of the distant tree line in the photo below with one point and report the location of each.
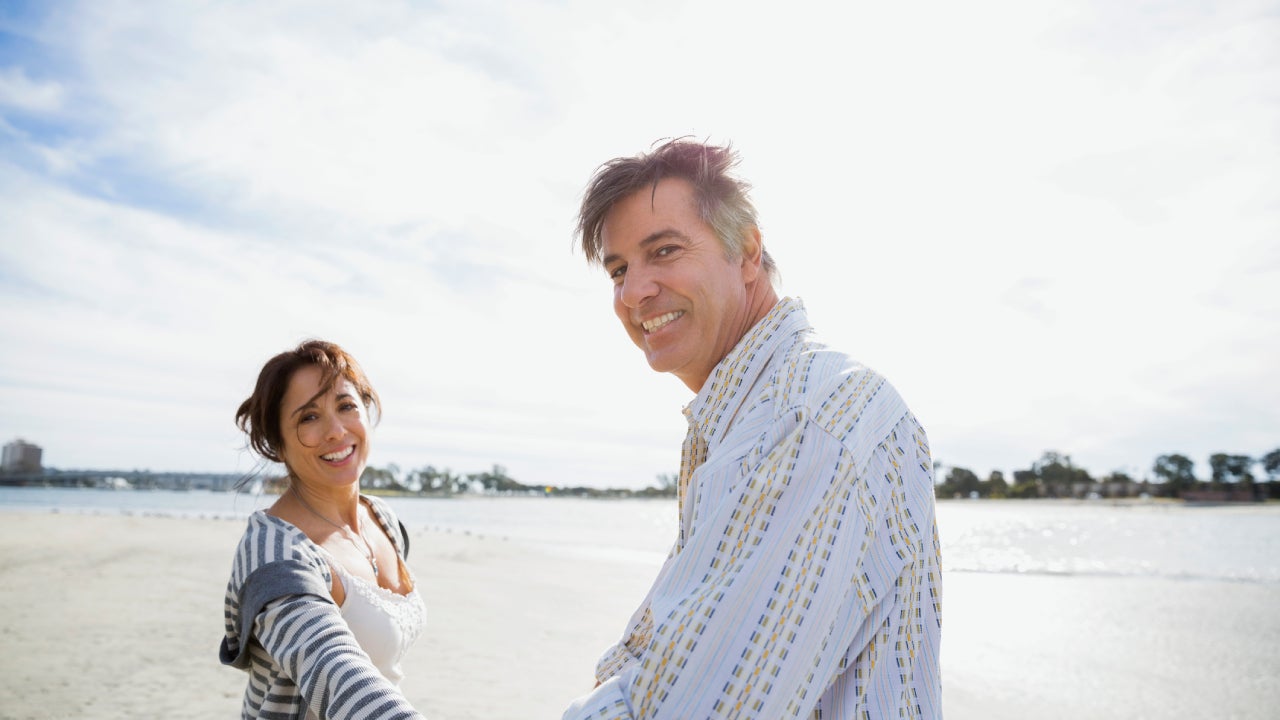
(1231, 477)
(430, 481)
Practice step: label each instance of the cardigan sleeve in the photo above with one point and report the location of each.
(269, 582)
(311, 642)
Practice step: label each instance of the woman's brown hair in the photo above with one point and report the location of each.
(259, 415)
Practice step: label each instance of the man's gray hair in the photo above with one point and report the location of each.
(721, 197)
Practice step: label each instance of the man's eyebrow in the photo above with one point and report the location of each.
(654, 237)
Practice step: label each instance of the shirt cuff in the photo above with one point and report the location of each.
(613, 661)
(607, 702)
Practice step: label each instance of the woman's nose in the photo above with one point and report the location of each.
(334, 428)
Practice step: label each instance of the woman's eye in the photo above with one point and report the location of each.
(349, 406)
(309, 417)
(617, 272)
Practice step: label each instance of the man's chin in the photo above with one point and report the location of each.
(666, 363)
(659, 362)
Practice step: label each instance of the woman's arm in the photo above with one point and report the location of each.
(311, 642)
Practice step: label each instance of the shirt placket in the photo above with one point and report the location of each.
(692, 455)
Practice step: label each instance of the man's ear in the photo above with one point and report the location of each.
(752, 254)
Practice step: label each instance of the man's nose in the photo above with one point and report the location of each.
(638, 285)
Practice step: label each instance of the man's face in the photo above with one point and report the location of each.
(682, 300)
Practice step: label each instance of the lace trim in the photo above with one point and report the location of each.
(408, 612)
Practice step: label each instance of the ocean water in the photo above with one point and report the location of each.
(1229, 543)
(639, 530)
(1233, 543)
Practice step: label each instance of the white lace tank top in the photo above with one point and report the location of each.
(384, 623)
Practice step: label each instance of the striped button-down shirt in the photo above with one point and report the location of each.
(805, 581)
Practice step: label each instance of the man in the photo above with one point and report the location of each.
(805, 578)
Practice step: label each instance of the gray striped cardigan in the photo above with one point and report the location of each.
(284, 629)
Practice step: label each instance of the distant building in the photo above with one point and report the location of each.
(21, 456)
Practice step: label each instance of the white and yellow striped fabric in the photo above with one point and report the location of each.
(805, 581)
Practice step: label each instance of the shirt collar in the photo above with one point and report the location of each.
(714, 406)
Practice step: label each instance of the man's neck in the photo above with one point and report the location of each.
(761, 298)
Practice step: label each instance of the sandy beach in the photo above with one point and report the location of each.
(120, 617)
(111, 616)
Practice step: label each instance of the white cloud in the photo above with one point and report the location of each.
(19, 91)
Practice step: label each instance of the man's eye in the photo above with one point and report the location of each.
(617, 272)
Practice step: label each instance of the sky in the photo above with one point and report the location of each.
(1051, 225)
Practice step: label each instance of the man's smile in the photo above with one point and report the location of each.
(653, 324)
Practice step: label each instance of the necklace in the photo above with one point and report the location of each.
(346, 532)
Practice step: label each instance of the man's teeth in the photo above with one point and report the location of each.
(655, 323)
(340, 455)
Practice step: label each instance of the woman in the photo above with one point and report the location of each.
(320, 606)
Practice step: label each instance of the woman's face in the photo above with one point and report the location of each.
(325, 433)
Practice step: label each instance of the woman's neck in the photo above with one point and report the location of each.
(336, 505)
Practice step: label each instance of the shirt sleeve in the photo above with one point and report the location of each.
(307, 636)
(803, 566)
(639, 629)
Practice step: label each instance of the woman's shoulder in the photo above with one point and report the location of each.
(381, 507)
(268, 539)
(263, 525)
(390, 522)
